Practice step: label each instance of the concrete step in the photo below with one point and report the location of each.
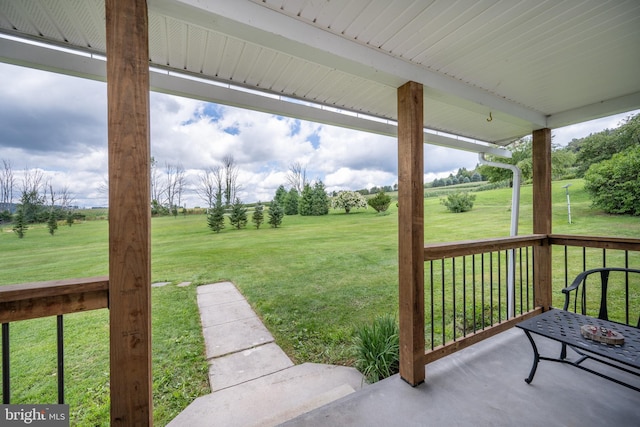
(272, 399)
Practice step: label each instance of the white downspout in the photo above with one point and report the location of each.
(515, 214)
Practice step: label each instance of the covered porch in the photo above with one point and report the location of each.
(483, 385)
(475, 78)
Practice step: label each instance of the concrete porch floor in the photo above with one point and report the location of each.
(483, 385)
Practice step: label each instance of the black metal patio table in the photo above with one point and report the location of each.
(564, 327)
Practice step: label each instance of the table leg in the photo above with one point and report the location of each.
(536, 358)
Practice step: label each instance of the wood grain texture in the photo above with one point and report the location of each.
(411, 231)
(541, 146)
(602, 242)
(470, 247)
(9, 293)
(43, 299)
(129, 212)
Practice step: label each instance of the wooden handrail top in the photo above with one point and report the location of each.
(471, 247)
(53, 288)
(603, 242)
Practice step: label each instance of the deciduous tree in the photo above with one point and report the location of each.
(348, 200)
(209, 185)
(230, 172)
(614, 184)
(7, 185)
(297, 176)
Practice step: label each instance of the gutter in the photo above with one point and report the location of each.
(515, 215)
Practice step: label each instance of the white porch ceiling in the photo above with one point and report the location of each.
(525, 64)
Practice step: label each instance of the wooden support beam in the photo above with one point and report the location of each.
(542, 216)
(129, 212)
(411, 231)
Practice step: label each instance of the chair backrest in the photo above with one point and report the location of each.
(579, 285)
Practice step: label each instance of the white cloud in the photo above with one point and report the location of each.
(59, 124)
(563, 136)
(346, 178)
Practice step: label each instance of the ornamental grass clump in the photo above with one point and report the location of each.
(377, 348)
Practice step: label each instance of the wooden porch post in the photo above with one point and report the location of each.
(129, 212)
(411, 231)
(542, 215)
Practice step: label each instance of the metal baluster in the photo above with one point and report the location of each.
(464, 296)
(444, 339)
(432, 314)
(60, 360)
(6, 388)
(490, 288)
(473, 260)
(626, 287)
(453, 296)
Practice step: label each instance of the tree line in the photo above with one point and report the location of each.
(609, 162)
(38, 200)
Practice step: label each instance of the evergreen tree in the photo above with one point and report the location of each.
(19, 226)
(52, 222)
(291, 202)
(275, 214)
(258, 217)
(314, 200)
(238, 217)
(305, 201)
(215, 219)
(320, 200)
(69, 218)
(281, 195)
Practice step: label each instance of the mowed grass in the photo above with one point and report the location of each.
(312, 281)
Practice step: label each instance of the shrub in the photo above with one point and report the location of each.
(614, 184)
(377, 348)
(380, 202)
(459, 202)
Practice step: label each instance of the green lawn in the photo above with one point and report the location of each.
(311, 281)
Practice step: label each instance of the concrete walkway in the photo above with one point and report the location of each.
(253, 382)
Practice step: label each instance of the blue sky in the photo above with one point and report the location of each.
(58, 124)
